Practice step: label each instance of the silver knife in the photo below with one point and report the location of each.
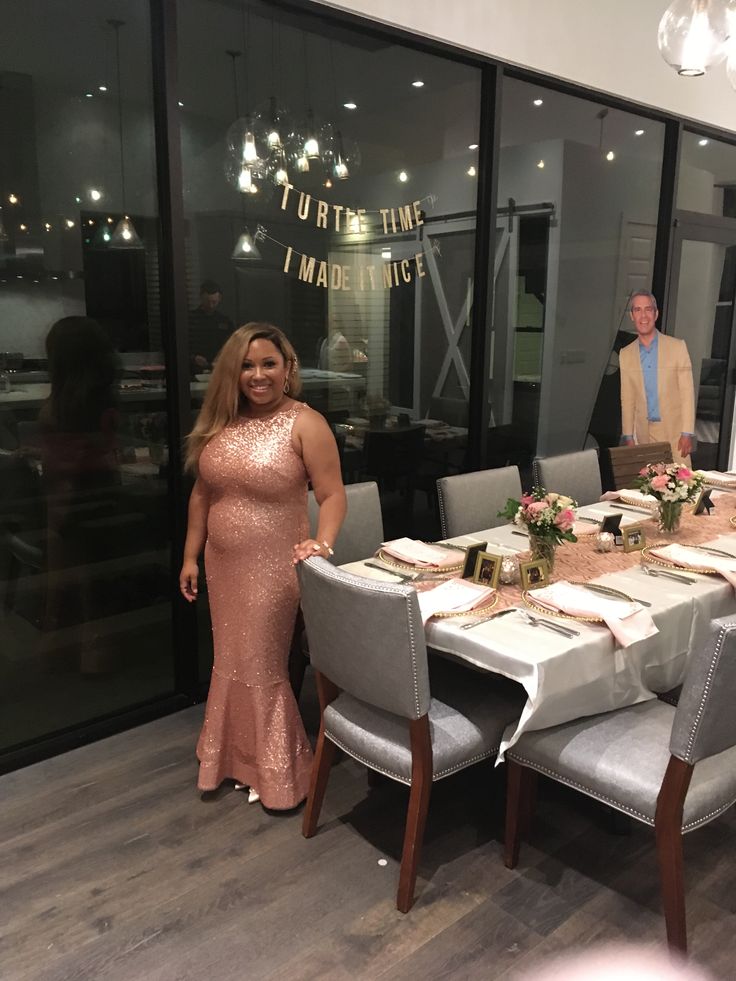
(629, 507)
(485, 619)
(583, 517)
(670, 575)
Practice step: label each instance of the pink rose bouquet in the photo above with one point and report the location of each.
(543, 514)
(669, 482)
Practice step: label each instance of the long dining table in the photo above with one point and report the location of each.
(570, 677)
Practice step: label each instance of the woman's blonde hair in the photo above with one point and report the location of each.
(224, 399)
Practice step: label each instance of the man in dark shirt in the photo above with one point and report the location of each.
(209, 328)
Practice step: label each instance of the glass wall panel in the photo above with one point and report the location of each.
(578, 196)
(361, 245)
(84, 550)
(707, 176)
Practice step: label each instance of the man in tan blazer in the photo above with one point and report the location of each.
(657, 396)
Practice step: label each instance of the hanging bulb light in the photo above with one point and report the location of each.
(311, 146)
(250, 154)
(302, 164)
(273, 137)
(692, 35)
(341, 168)
(245, 247)
(125, 236)
(281, 175)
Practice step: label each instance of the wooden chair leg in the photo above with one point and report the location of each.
(416, 817)
(323, 758)
(520, 788)
(668, 830)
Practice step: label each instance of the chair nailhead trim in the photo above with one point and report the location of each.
(722, 634)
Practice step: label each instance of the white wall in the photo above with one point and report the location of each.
(611, 47)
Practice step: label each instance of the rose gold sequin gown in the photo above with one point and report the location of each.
(257, 487)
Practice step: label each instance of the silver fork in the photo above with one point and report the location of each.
(535, 621)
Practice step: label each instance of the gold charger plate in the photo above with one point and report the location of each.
(595, 588)
(410, 567)
(483, 608)
(646, 553)
(636, 502)
(646, 506)
(715, 482)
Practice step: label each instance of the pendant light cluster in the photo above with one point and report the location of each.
(124, 235)
(267, 146)
(696, 35)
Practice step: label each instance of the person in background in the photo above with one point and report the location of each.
(657, 394)
(254, 449)
(209, 327)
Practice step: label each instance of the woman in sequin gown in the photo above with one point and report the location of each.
(254, 449)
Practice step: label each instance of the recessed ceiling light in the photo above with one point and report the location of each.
(23, 228)
(88, 95)
(12, 198)
(540, 164)
(610, 155)
(95, 194)
(418, 84)
(472, 146)
(403, 176)
(471, 171)
(102, 88)
(385, 253)
(638, 132)
(538, 102)
(350, 105)
(181, 104)
(703, 142)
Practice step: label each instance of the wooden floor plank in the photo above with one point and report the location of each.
(113, 868)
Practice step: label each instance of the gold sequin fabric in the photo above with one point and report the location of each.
(257, 489)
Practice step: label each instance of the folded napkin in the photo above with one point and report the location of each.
(628, 621)
(586, 527)
(694, 559)
(420, 554)
(452, 595)
(718, 477)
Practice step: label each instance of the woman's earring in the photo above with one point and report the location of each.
(286, 387)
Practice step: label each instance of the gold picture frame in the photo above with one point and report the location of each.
(487, 569)
(534, 574)
(471, 556)
(634, 538)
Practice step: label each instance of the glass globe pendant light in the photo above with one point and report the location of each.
(124, 235)
(245, 247)
(692, 35)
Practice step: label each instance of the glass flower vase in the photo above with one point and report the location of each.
(543, 548)
(670, 513)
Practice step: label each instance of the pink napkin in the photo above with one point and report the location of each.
(727, 479)
(695, 559)
(585, 528)
(453, 595)
(628, 621)
(420, 554)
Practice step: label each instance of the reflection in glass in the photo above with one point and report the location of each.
(577, 214)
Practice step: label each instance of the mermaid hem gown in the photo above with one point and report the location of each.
(257, 488)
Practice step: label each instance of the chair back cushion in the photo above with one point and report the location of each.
(367, 637)
(627, 461)
(362, 530)
(575, 474)
(705, 720)
(471, 501)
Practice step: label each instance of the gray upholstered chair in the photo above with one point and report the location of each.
(368, 651)
(471, 501)
(362, 530)
(576, 474)
(360, 536)
(641, 760)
